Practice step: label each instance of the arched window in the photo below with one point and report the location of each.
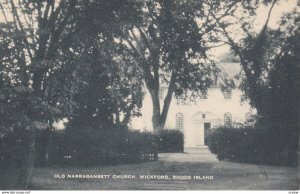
(179, 121)
(227, 93)
(227, 119)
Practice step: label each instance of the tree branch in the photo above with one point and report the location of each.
(136, 40)
(261, 37)
(31, 30)
(168, 98)
(46, 11)
(217, 19)
(4, 14)
(55, 35)
(147, 73)
(22, 30)
(144, 37)
(216, 46)
(153, 56)
(238, 50)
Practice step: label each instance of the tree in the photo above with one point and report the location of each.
(251, 51)
(282, 97)
(110, 93)
(171, 45)
(281, 82)
(259, 53)
(38, 71)
(271, 79)
(32, 31)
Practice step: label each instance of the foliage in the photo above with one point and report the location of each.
(170, 141)
(40, 63)
(102, 146)
(140, 146)
(253, 145)
(171, 44)
(271, 72)
(284, 76)
(12, 147)
(84, 145)
(260, 55)
(108, 91)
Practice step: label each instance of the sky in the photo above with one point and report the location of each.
(284, 6)
(279, 9)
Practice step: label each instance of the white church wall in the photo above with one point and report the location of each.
(214, 107)
(207, 112)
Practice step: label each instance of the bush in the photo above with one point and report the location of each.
(13, 146)
(170, 141)
(139, 147)
(258, 145)
(96, 147)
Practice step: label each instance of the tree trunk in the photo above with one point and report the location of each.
(167, 101)
(159, 117)
(49, 137)
(27, 162)
(155, 111)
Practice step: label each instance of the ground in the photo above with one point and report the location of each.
(195, 162)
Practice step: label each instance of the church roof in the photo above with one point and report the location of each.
(231, 69)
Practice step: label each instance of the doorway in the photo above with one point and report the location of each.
(207, 140)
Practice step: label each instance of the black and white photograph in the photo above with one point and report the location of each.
(121, 95)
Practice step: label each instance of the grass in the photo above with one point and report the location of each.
(227, 176)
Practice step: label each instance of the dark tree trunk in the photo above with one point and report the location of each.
(167, 101)
(159, 117)
(49, 137)
(27, 162)
(155, 111)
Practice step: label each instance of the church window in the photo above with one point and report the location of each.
(179, 121)
(227, 94)
(227, 119)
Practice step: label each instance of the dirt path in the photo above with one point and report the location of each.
(196, 170)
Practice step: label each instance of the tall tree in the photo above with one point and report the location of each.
(282, 96)
(28, 59)
(38, 69)
(171, 45)
(257, 53)
(271, 79)
(110, 93)
(251, 49)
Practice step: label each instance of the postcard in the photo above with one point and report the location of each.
(149, 95)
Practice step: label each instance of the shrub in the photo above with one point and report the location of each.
(13, 145)
(139, 147)
(170, 141)
(258, 145)
(96, 146)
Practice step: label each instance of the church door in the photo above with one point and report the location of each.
(207, 127)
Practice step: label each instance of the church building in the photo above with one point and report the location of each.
(196, 119)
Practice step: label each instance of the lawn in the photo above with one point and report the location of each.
(211, 175)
